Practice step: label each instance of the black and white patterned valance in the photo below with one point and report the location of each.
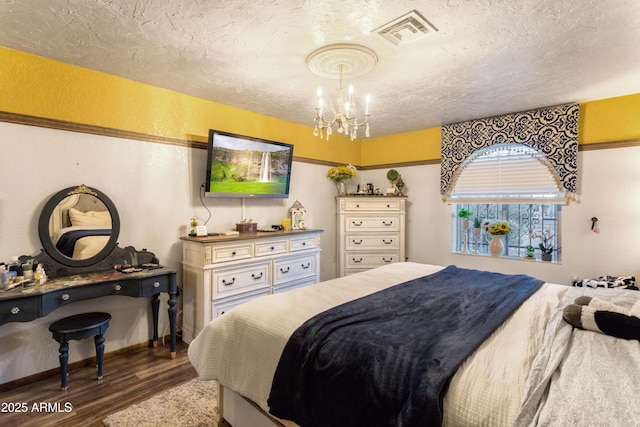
(553, 132)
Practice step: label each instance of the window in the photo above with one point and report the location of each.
(530, 223)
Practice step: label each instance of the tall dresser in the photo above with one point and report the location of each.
(371, 232)
(222, 272)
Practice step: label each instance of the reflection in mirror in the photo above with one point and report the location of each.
(79, 226)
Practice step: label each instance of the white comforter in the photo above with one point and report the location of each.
(241, 349)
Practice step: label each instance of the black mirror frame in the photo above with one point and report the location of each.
(45, 238)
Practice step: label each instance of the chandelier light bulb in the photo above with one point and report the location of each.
(344, 116)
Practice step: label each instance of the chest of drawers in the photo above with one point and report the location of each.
(370, 232)
(222, 272)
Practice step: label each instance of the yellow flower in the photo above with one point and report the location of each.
(501, 227)
(341, 173)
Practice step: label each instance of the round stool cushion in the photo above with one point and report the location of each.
(79, 322)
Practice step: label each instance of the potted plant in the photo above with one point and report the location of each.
(340, 175)
(464, 214)
(546, 244)
(477, 223)
(530, 252)
(392, 176)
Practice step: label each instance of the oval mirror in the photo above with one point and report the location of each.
(79, 226)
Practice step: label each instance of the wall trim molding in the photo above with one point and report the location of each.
(624, 143)
(24, 119)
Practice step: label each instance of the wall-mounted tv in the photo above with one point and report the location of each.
(242, 166)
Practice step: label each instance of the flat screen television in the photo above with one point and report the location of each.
(242, 166)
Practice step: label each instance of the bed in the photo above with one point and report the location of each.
(534, 369)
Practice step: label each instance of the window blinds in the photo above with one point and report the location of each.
(506, 173)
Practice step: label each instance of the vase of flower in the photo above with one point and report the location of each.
(496, 230)
(340, 175)
(495, 247)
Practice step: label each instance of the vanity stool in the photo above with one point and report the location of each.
(79, 327)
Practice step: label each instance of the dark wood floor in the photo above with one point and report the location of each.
(128, 378)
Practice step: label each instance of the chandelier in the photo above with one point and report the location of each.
(354, 60)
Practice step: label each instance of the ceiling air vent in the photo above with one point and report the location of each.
(406, 29)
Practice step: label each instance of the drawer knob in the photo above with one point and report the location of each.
(15, 310)
(356, 224)
(387, 242)
(65, 297)
(272, 248)
(387, 224)
(283, 271)
(359, 242)
(224, 282)
(304, 243)
(233, 253)
(387, 259)
(306, 266)
(388, 206)
(257, 277)
(118, 287)
(156, 284)
(356, 260)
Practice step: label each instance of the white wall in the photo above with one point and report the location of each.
(609, 188)
(156, 190)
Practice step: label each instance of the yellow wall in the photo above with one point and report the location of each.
(401, 148)
(41, 87)
(609, 120)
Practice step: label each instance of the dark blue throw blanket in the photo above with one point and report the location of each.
(386, 359)
(67, 241)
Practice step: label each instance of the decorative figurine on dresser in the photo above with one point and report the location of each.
(298, 212)
(78, 229)
(370, 232)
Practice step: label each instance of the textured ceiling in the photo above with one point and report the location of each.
(487, 57)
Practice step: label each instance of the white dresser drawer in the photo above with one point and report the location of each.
(372, 242)
(372, 223)
(361, 260)
(293, 268)
(271, 247)
(232, 281)
(287, 286)
(302, 244)
(231, 253)
(219, 308)
(382, 204)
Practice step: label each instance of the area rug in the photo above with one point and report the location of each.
(191, 404)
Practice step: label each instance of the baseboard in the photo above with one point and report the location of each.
(79, 364)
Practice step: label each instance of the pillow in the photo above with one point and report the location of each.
(82, 219)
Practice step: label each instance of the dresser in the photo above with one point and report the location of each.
(222, 272)
(370, 232)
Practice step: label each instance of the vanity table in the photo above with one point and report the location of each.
(23, 305)
(79, 229)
